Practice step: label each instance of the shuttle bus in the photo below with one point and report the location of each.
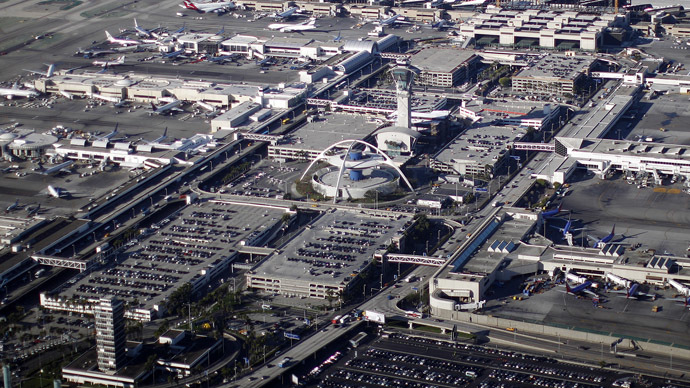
(356, 340)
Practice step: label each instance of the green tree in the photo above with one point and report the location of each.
(505, 81)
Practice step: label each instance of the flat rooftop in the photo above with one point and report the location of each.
(333, 249)
(603, 117)
(328, 129)
(181, 249)
(557, 67)
(440, 60)
(480, 145)
(510, 232)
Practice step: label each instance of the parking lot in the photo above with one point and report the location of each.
(267, 180)
(408, 361)
(191, 242)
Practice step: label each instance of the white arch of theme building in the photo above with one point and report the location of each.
(387, 161)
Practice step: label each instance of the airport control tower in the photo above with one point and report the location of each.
(403, 77)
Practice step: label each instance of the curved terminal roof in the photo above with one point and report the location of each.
(354, 62)
(33, 141)
(360, 45)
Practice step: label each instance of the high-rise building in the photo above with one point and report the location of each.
(110, 334)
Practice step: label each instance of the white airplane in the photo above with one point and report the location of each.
(286, 14)
(58, 168)
(108, 63)
(122, 41)
(219, 7)
(93, 53)
(395, 19)
(171, 106)
(48, 73)
(141, 31)
(304, 26)
(12, 206)
(56, 192)
(10, 93)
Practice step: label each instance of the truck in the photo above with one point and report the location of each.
(39, 273)
(344, 319)
(410, 279)
(284, 362)
(336, 319)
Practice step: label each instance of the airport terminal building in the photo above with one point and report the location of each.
(507, 244)
(564, 30)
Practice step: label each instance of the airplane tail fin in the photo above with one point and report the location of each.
(165, 132)
(153, 106)
(121, 59)
(135, 23)
(613, 230)
(311, 22)
(567, 287)
(51, 70)
(107, 34)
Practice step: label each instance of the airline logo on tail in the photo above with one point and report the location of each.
(190, 5)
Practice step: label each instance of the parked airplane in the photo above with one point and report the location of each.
(33, 210)
(144, 32)
(58, 168)
(567, 229)
(600, 243)
(393, 20)
(121, 41)
(173, 54)
(160, 138)
(285, 14)
(12, 206)
(171, 106)
(582, 289)
(218, 7)
(220, 59)
(56, 192)
(337, 38)
(10, 93)
(108, 63)
(304, 26)
(552, 212)
(93, 53)
(48, 73)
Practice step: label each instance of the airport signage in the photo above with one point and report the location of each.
(292, 336)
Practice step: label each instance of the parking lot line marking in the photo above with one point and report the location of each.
(673, 191)
(659, 190)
